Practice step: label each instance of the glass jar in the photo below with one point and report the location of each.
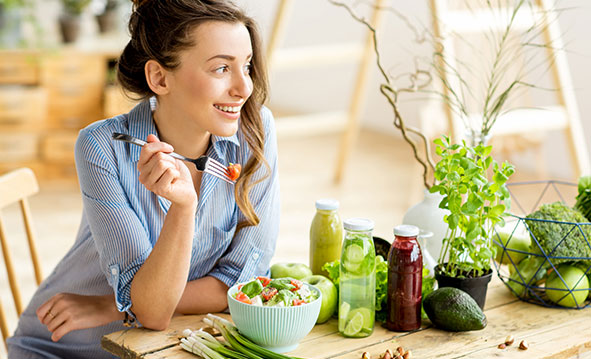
(357, 280)
(405, 280)
(326, 235)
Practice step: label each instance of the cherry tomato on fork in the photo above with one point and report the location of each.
(234, 170)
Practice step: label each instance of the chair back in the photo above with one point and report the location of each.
(16, 187)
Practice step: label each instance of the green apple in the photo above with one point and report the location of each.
(330, 296)
(516, 240)
(293, 270)
(571, 275)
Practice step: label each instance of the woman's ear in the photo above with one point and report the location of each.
(156, 76)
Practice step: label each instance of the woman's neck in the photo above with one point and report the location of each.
(187, 138)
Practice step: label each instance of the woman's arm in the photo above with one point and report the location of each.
(159, 284)
(203, 295)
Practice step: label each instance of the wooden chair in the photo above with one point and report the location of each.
(17, 186)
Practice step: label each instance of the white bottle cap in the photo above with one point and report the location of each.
(327, 204)
(358, 224)
(406, 230)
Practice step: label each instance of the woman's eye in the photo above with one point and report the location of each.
(221, 69)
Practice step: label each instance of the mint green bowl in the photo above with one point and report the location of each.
(279, 329)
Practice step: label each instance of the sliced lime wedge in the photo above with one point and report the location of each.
(367, 317)
(343, 315)
(354, 325)
(354, 254)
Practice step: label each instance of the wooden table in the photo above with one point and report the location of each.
(551, 333)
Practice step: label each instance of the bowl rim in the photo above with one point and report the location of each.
(235, 287)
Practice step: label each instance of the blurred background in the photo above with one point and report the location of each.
(335, 129)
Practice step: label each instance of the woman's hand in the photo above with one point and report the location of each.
(65, 312)
(165, 176)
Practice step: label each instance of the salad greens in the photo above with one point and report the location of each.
(381, 284)
(282, 292)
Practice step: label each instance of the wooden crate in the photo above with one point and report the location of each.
(19, 67)
(18, 147)
(116, 102)
(59, 147)
(22, 107)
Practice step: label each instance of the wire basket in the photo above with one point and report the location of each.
(526, 271)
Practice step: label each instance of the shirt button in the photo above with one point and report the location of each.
(113, 271)
(255, 256)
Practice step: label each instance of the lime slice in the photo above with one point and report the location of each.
(354, 254)
(354, 325)
(366, 314)
(343, 315)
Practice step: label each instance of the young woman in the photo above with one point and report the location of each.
(158, 237)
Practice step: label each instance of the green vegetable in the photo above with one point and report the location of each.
(252, 289)
(240, 343)
(428, 287)
(454, 310)
(559, 239)
(583, 204)
(282, 283)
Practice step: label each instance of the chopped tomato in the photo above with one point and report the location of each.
(269, 293)
(296, 283)
(240, 286)
(264, 281)
(297, 302)
(234, 170)
(241, 297)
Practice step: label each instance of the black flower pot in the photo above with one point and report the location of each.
(475, 286)
(69, 27)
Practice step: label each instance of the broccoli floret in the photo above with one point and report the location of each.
(567, 237)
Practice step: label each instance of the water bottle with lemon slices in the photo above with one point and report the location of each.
(357, 280)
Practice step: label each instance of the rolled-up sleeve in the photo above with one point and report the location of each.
(122, 241)
(252, 247)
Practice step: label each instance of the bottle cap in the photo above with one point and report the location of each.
(327, 204)
(358, 224)
(406, 230)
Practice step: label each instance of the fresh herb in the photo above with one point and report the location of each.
(583, 204)
(560, 239)
(473, 187)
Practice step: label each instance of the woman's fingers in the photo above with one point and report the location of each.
(151, 148)
(44, 313)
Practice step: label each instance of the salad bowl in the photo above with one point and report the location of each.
(277, 328)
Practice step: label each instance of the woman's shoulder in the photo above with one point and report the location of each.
(101, 131)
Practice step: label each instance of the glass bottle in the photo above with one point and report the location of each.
(326, 235)
(405, 279)
(357, 281)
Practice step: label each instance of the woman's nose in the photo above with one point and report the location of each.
(241, 86)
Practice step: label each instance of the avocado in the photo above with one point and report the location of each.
(453, 310)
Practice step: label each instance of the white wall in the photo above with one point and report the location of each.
(316, 21)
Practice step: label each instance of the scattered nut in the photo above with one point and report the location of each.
(400, 350)
(509, 340)
(365, 355)
(407, 355)
(387, 354)
(502, 346)
(523, 345)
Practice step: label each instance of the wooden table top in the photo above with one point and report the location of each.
(550, 333)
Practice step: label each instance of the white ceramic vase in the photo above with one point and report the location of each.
(429, 218)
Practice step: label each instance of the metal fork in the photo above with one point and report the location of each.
(203, 163)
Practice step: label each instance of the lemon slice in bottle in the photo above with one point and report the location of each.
(366, 313)
(354, 325)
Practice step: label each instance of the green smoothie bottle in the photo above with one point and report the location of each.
(326, 235)
(357, 280)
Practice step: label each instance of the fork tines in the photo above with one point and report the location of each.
(217, 169)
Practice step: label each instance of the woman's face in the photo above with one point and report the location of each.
(213, 80)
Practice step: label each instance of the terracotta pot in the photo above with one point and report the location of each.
(107, 21)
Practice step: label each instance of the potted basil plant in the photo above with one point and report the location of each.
(473, 187)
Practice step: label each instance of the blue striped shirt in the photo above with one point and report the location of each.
(121, 222)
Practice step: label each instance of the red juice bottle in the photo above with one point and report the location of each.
(405, 279)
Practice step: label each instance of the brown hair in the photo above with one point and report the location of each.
(159, 31)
